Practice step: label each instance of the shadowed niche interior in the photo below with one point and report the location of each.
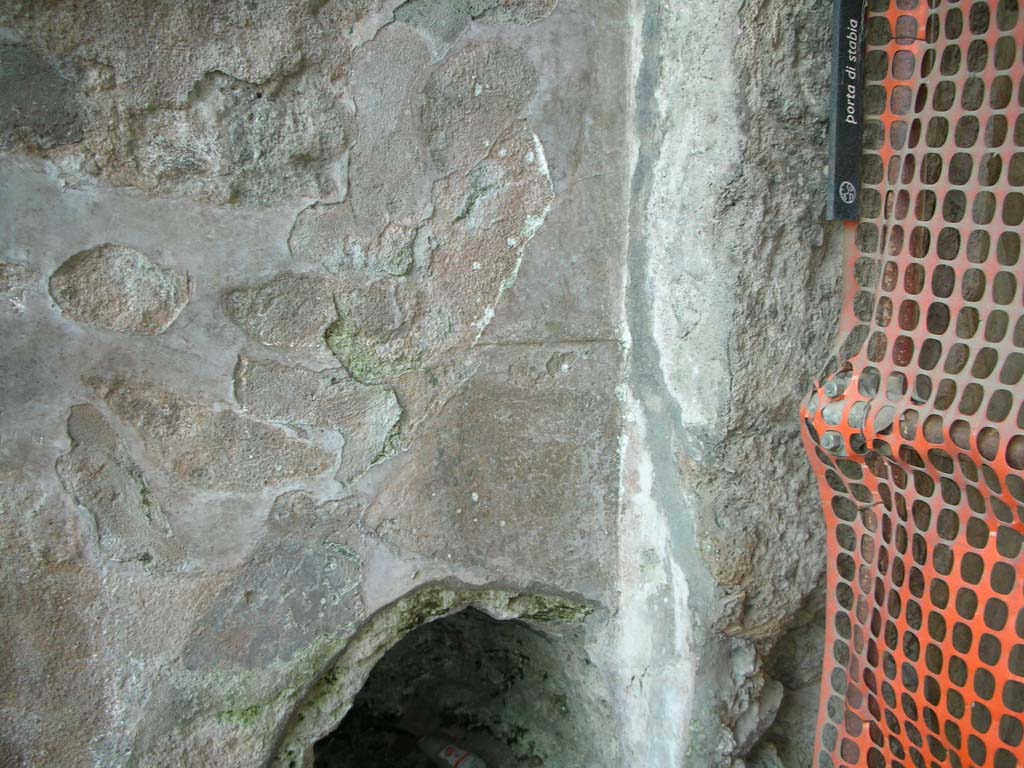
(502, 690)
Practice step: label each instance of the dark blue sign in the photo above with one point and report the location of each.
(846, 127)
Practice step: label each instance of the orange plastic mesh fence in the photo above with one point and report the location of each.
(918, 438)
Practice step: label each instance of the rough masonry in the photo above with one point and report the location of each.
(324, 321)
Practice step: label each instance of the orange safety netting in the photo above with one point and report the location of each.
(918, 438)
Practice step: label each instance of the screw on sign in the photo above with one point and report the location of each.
(847, 192)
(917, 432)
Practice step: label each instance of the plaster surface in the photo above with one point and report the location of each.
(323, 321)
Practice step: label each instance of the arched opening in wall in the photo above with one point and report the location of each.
(501, 690)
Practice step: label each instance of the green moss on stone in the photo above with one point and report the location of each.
(429, 603)
(246, 717)
(400, 263)
(392, 445)
(549, 608)
(357, 354)
(479, 186)
(146, 500)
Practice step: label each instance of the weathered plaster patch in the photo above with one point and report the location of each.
(102, 476)
(15, 281)
(364, 414)
(656, 643)
(443, 21)
(211, 447)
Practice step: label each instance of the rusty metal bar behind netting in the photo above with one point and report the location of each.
(917, 434)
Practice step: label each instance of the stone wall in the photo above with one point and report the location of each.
(324, 319)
